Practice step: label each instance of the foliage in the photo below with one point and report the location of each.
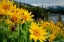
(17, 25)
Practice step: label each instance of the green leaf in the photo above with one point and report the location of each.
(1, 37)
(25, 29)
(24, 32)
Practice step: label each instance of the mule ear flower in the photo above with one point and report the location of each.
(26, 16)
(6, 7)
(15, 17)
(37, 33)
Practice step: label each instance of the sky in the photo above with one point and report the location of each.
(44, 2)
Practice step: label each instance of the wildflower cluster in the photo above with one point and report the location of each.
(54, 30)
(17, 25)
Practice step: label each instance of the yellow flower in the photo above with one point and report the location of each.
(52, 37)
(26, 16)
(6, 7)
(37, 33)
(62, 31)
(51, 22)
(59, 24)
(15, 17)
(9, 21)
